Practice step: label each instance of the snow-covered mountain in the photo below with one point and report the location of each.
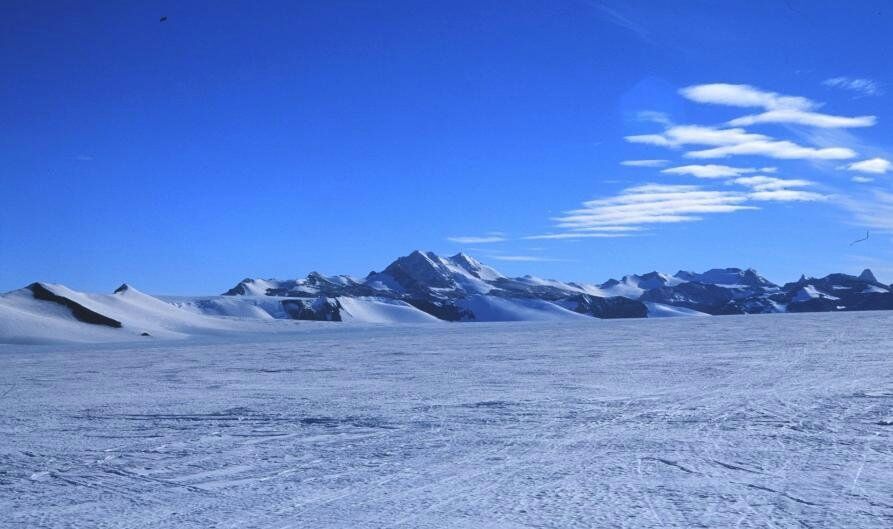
(457, 288)
(421, 287)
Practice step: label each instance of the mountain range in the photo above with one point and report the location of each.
(459, 288)
(417, 288)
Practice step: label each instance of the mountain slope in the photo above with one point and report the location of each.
(460, 288)
(421, 287)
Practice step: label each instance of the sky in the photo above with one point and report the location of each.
(569, 139)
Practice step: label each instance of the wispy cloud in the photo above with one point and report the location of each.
(787, 195)
(478, 239)
(616, 17)
(874, 210)
(742, 95)
(862, 87)
(770, 188)
(778, 149)
(523, 258)
(873, 166)
(801, 117)
(654, 116)
(715, 171)
(679, 135)
(650, 204)
(769, 183)
(601, 234)
(737, 141)
(778, 108)
(814, 136)
(645, 163)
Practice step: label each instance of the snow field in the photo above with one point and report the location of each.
(758, 421)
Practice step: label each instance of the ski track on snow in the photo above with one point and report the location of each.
(755, 421)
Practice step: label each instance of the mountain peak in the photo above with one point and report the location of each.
(462, 257)
(726, 276)
(868, 275)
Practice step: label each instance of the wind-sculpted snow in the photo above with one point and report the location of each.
(782, 420)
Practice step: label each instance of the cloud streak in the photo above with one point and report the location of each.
(862, 87)
(778, 149)
(779, 109)
(872, 166)
(746, 96)
(714, 171)
(737, 142)
(644, 163)
(800, 117)
(641, 208)
(478, 239)
(650, 204)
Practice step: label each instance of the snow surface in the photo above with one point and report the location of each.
(659, 310)
(492, 308)
(26, 320)
(809, 292)
(373, 310)
(782, 420)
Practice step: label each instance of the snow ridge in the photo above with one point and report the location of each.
(421, 287)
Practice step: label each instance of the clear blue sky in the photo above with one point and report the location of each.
(269, 139)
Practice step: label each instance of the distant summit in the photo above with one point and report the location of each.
(868, 275)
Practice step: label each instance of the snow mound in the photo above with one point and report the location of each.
(659, 310)
(374, 310)
(491, 308)
(48, 313)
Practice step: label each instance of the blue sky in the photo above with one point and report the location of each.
(270, 140)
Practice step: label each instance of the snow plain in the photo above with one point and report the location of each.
(781, 420)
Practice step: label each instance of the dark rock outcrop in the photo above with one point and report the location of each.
(319, 309)
(80, 312)
(608, 308)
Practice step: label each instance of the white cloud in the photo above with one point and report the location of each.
(482, 239)
(697, 135)
(863, 87)
(778, 108)
(787, 195)
(644, 163)
(654, 117)
(714, 171)
(742, 95)
(770, 183)
(874, 210)
(873, 166)
(576, 235)
(651, 204)
(769, 188)
(801, 117)
(824, 137)
(862, 179)
(522, 258)
(784, 150)
(737, 141)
